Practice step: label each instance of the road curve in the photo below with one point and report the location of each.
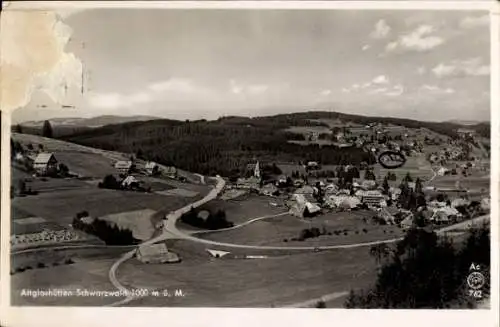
(185, 236)
(240, 225)
(172, 217)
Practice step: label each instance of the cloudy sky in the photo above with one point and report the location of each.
(189, 64)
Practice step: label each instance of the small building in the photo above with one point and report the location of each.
(203, 215)
(156, 253)
(443, 171)
(130, 181)
(170, 171)
(269, 190)
(124, 167)
(217, 253)
(45, 164)
(302, 206)
(152, 168)
(373, 198)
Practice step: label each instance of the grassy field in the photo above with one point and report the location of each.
(241, 283)
(308, 129)
(62, 206)
(274, 231)
(138, 221)
(86, 164)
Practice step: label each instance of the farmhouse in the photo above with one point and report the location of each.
(373, 198)
(151, 168)
(123, 166)
(303, 207)
(45, 163)
(170, 171)
(342, 201)
(129, 181)
(443, 171)
(269, 190)
(156, 253)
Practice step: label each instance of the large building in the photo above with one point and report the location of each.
(45, 164)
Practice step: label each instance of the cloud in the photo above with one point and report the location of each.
(365, 47)
(378, 90)
(421, 70)
(173, 88)
(174, 85)
(381, 79)
(436, 89)
(474, 21)
(418, 40)
(397, 90)
(247, 89)
(381, 30)
(325, 92)
(457, 68)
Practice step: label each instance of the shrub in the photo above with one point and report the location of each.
(365, 230)
(69, 261)
(19, 269)
(40, 265)
(55, 264)
(346, 233)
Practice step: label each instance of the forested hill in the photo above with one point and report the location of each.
(226, 145)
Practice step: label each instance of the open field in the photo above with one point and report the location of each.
(274, 231)
(308, 129)
(91, 275)
(62, 206)
(241, 283)
(86, 164)
(138, 221)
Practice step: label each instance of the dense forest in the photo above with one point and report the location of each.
(224, 146)
(216, 147)
(423, 271)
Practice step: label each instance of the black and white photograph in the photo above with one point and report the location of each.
(249, 158)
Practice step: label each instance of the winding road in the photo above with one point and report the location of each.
(170, 231)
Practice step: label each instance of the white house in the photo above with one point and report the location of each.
(151, 167)
(442, 171)
(123, 166)
(269, 190)
(298, 208)
(45, 163)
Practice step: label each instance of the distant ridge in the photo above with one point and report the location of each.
(467, 122)
(89, 122)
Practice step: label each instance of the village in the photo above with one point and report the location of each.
(69, 196)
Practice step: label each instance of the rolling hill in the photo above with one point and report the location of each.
(225, 145)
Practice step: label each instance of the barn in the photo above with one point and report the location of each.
(45, 164)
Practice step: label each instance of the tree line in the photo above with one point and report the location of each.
(423, 271)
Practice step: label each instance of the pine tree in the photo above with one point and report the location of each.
(385, 186)
(47, 129)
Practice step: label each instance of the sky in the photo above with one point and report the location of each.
(192, 64)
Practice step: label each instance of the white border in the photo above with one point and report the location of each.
(81, 316)
(299, 5)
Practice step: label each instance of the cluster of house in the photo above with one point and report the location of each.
(44, 237)
(150, 168)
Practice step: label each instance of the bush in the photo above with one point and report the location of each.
(365, 230)
(19, 269)
(40, 265)
(69, 261)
